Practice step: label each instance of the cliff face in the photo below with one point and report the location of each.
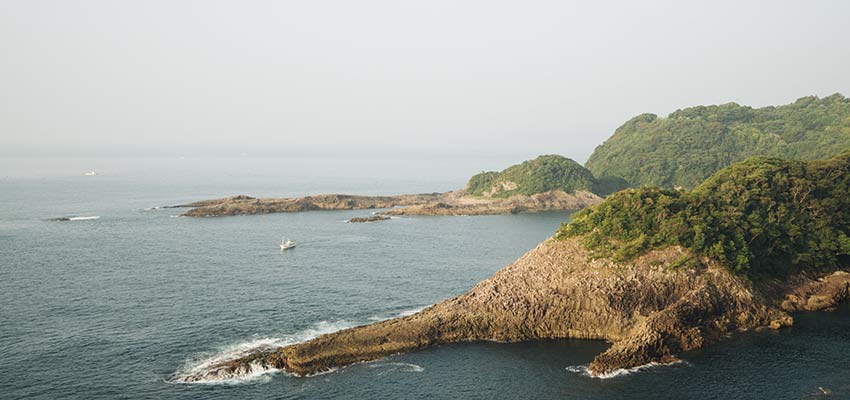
(648, 310)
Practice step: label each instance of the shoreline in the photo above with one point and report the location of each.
(450, 203)
(648, 311)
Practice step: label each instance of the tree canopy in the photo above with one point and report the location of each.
(691, 144)
(761, 217)
(542, 174)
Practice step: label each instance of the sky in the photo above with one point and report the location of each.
(473, 78)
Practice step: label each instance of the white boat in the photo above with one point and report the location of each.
(286, 244)
(90, 173)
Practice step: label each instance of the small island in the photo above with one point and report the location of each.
(547, 183)
(656, 272)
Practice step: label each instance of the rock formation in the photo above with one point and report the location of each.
(450, 203)
(647, 309)
(373, 218)
(246, 205)
(457, 203)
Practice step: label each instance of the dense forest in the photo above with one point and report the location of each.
(761, 217)
(542, 174)
(691, 144)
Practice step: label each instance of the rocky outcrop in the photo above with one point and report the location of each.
(648, 309)
(457, 203)
(246, 205)
(502, 186)
(450, 203)
(373, 218)
(824, 293)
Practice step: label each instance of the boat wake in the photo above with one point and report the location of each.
(208, 368)
(583, 371)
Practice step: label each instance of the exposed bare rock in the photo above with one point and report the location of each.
(450, 203)
(459, 204)
(501, 186)
(246, 205)
(650, 312)
(373, 218)
(821, 294)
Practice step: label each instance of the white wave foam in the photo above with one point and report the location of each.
(407, 313)
(327, 371)
(582, 369)
(84, 218)
(207, 368)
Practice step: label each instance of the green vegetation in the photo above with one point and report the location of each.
(543, 174)
(760, 217)
(691, 144)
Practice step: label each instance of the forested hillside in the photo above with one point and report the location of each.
(691, 144)
(542, 174)
(760, 217)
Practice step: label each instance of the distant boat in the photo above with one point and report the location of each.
(286, 244)
(90, 173)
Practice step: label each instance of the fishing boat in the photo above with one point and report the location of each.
(286, 244)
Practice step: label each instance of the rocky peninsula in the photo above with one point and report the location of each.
(547, 183)
(654, 272)
(450, 203)
(458, 203)
(649, 312)
(247, 205)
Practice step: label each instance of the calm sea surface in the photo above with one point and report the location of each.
(113, 307)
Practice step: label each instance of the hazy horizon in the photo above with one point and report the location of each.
(484, 79)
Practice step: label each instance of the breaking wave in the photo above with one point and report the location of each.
(206, 368)
(582, 369)
(407, 313)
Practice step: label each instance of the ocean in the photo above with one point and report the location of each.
(114, 304)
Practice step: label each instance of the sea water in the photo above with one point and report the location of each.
(118, 300)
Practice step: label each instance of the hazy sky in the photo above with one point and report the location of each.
(483, 77)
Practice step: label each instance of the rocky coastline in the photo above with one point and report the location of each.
(450, 203)
(458, 203)
(247, 205)
(648, 309)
